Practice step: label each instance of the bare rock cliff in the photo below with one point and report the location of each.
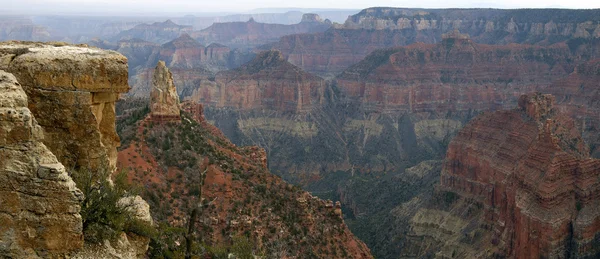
(72, 92)
(39, 203)
(164, 101)
(531, 171)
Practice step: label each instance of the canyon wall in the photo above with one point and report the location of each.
(531, 172)
(330, 52)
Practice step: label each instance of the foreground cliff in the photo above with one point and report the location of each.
(59, 150)
(72, 92)
(517, 183)
(39, 212)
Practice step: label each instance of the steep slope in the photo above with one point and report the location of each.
(332, 51)
(530, 173)
(183, 163)
(246, 35)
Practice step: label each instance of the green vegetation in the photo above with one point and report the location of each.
(102, 215)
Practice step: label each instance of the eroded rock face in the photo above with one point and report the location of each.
(39, 203)
(456, 74)
(267, 82)
(531, 171)
(72, 92)
(164, 101)
(330, 52)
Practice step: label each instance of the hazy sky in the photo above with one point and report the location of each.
(204, 6)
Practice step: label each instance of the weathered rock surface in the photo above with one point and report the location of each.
(72, 92)
(530, 170)
(39, 203)
(330, 52)
(267, 82)
(246, 35)
(164, 101)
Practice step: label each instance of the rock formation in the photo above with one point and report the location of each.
(164, 101)
(72, 92)
(530, 170)
(267, 82)
(39, 203)
(330, 52)
(456, 74)
(281, 220)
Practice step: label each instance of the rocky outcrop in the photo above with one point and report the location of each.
(39, 203)
(247, 35)
(530, 170)
(332, 51)
(72, 92)
(454, 75)
(158, 32)
(164, 101)
(267, 82)
(282, 220)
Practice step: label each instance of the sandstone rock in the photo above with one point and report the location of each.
(158, 32)
(164, 101)
(531, 170)
(39, 203)
(72, 92)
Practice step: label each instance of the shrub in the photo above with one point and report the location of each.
(101, 215)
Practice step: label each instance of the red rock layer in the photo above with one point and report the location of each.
(455, 75)
(531, 170)
(281, 220)
(268, 82)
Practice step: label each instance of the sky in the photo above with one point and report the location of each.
(238, 6)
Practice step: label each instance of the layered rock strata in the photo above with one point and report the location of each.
(164, 101)
(72, 92)
(531, 171)
(454, 75)
(267, 82)
(330, 52)
(39, 203)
